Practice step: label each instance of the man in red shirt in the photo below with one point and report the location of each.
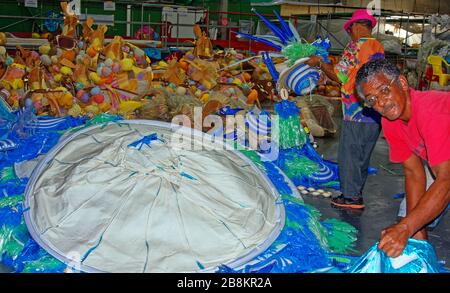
(417, 127)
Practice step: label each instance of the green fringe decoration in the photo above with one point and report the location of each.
(297, 50)
(341, 236)
(292, 199)
(330, 184)
(7, 174)
(254, 157)
(316, 226)
(101, 119)
(336, 235)
(104, 119)
(300, 165)
(62, 132)
(291, 134)
(10, 201)
(9, 242)
(42, 265)
(341, 259)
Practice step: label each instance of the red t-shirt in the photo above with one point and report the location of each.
(427, 134)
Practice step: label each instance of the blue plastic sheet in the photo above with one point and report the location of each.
(153, 53)
(418, 257)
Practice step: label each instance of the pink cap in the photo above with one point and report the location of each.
(360, 14)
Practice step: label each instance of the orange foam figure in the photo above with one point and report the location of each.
(70, 21)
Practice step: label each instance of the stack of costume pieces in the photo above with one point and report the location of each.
(78, 76)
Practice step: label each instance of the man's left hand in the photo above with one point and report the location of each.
(394, 239)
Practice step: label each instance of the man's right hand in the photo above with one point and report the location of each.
(394, 239)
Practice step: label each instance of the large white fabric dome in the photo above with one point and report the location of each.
(104, 201)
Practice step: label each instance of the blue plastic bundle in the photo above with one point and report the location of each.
(418, 257)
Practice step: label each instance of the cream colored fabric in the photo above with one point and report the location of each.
(157, 209)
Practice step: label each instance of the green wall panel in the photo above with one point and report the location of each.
(152, 14)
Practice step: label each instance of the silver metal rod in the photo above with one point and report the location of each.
(13, 24)
(25, 18)
(29, 17)
(406, 44)
(378, 30)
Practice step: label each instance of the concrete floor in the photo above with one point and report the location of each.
(381, 206)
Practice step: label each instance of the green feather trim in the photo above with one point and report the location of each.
(9, 242)
(290, 134)
(7, 174)
(300, 165)
(10, 201)
(341, 235)
(297, 51)
(45, 263)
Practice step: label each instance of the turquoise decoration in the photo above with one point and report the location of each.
(418, 257)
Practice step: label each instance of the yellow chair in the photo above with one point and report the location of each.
(436, 62)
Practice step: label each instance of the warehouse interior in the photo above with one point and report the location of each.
(185, 136)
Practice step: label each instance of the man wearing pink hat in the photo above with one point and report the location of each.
(361, 126)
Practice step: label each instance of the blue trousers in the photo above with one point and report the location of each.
(356, 144)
